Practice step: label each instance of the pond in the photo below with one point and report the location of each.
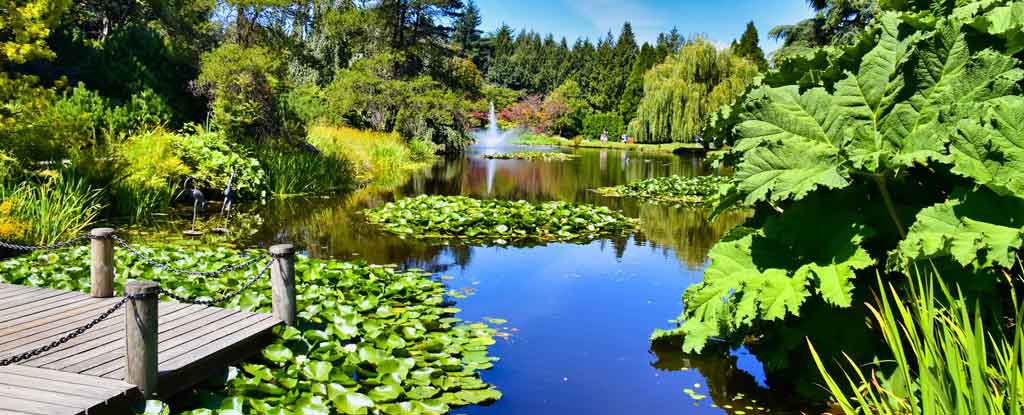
(578, 315)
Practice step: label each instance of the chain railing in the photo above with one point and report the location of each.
(108, 235)
(28, 248)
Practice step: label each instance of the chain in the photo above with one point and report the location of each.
(58, 245)
(168, 268)
(71, 335)
(225, 297)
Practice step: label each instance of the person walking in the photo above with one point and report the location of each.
(604, 136)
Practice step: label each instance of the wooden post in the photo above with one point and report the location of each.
(140, 326)
(102, 269)
(282, 283)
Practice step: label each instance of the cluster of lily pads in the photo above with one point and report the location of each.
(669, 189)
(370, 339)
(499, 221)
(531, 156)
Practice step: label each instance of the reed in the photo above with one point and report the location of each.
(62, 207)
(946, 359)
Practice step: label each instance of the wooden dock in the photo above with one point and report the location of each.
(86, 374)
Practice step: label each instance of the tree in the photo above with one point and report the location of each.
(24, 27)
(680, 93)
(836, 22)
(635, 85)
(467, 34)
(417, 28)
(748, 47)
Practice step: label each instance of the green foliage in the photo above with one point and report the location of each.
(531, 156)
(243, 83)
(293, 172)
(369, 338)
(748, 47)
(924, 130)
(212, 157)
(63, 206)
(498, 221)
(634, 90)
(669, 189)
(27, 24)
(681, 93)
(946, 358)
(596, 124)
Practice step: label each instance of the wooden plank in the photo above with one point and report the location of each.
(25, 309)
(12, 403)
(42, 384)
(39, 395)
(55, 328)
(52, 316)
(108, 344)
(31, 297)
(8, 291)
(113, 364)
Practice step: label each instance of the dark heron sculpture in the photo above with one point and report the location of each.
(229, 195)
(198, 200)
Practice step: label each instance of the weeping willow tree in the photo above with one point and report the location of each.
(680, 93)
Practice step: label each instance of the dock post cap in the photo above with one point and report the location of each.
(102, 232)
(141, 287)
(282, 250)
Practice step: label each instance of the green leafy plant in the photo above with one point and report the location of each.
(923, 130)
(669, 189)
(945, 358)
(293, 172)
(59, 208)
(498, 221)
(369, 338)
(531, 156)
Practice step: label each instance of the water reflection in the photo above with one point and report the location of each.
(580, 314)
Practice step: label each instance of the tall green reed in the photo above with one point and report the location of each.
(56, 209)
(296, 172)
(946, 358)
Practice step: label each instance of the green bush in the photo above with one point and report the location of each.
(242, 84)
(421, 150)
(595, 124)
(211, 157)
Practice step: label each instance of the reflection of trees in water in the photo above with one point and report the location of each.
(686, 230)
(725, 381)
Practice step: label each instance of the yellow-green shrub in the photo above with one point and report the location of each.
(373, 154)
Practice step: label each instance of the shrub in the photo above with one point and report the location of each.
(421, 150)
(243, 82)
(154, 174)
(595, 124)
(211, 158)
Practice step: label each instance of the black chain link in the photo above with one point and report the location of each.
(67, 337)
(168, 268)
(225, 297)
(58, 245)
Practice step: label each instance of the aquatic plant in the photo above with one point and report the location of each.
(373, 154)
(369, 339)
(500, 221)
(293, 172)
(61, 207)
(531, 156)
(946, 359)
(669, 189)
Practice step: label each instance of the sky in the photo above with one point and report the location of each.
(720, 20)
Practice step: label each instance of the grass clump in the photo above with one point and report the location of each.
(531, 156)
(946, 359)
(369, 339)
(499, 221)
(373, 154)
(669, 189)
(60, 207)
(295, 172)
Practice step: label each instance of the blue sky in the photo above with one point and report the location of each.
(720, 20)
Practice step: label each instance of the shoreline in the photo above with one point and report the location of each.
(541, 140)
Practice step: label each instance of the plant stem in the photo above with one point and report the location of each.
(883, 188)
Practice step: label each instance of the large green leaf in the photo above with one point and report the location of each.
(790, 170)
(980, 229)
(991, 151)
(769, 273)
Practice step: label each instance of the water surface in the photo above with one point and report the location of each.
(579, 315)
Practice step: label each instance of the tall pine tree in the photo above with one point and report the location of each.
(749, 47)
(466, 34)
(635, 85)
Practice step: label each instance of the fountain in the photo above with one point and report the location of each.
(493, 136)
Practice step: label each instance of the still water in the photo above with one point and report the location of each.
(578, 315)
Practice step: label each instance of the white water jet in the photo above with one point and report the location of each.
(493, 136)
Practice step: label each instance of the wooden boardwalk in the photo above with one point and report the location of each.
(86, 374)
